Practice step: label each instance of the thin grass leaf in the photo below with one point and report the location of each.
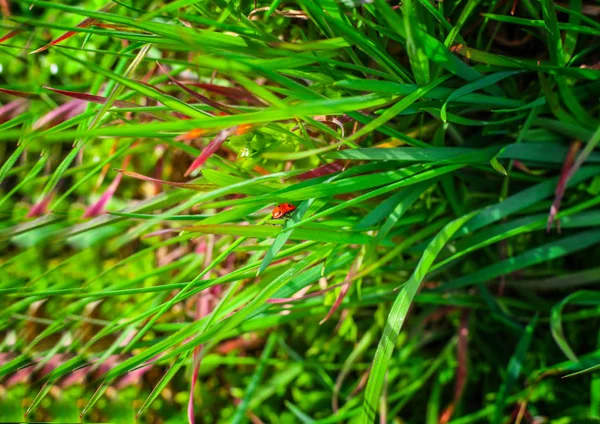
(435, 50)
(230, 92)
(196, 95)
(210, 149)
(10, 35)
(153, 93)
(534, 256)
(83, 24)
(513, 370)
(17, 93)
(481, 83)
(418, 59)
(89, 97)
(164, 381)
(188, 186)
(397, 317)
(585, 371)
(345, 287)
(96, 397)
(393, 111)
(256, 378)
(555, 47)
(466, 12)
(322, 234)
(585, 297)
(221, 328)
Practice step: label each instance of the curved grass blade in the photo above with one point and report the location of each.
(398, 315)
(418, 60)
(481, 83)
(585, 297)
(555, 47)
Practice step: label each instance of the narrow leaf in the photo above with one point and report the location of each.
(513, 370)
(188, 186)
(397, 316)
(211, 148)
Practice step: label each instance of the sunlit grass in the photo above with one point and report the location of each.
(439, 266)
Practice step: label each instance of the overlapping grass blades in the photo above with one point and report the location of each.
(442, 212)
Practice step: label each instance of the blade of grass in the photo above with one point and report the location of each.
(585, 297)
(397, 316)
(240, 412)
(481, 83)
(513, 371)
(534, 256)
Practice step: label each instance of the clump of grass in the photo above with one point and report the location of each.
(439, 266)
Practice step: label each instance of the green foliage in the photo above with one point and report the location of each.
(441, 156)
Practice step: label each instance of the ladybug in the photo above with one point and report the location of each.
(283, 211)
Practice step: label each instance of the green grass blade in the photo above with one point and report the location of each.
(513, 370)
(534, 256)
(397, 317)
(481, 83)
(164, 381)
(556, 317)
(240, 412)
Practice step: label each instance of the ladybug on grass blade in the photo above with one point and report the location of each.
(283, 211)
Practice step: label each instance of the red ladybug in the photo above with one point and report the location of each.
(283, 211)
